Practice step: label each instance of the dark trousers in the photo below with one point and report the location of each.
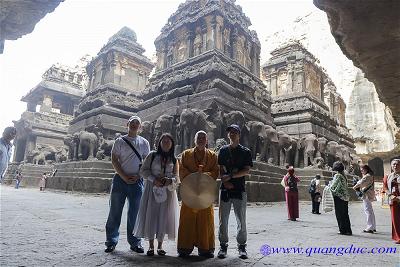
(342, 215)
(315, 204)
(120, 191)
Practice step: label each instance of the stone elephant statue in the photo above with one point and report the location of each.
(192, 121)
(164, 124)
(255, 133)
(61, 155)
(87, 145)
(332, 152)
(147, 131)
(269, 145)
(309, 145)
(38, 157)
(322, 148)
(345, 156)
(72, 142)
(287, 146)
(237, 117)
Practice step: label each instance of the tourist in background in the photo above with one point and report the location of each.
(315, 192)
(196, 226)
(9, 134)
(126, 157)
(366, 186)
(18, 179)
(158, 210)
(42, 182)
(235, 162)
(341, 198)
(391, 185)
(290, 182)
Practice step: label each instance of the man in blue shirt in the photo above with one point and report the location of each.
(5, 149)
(235, 162)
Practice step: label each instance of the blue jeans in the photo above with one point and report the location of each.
(119, 192)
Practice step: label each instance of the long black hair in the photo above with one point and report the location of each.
(367, 169)
(171, 153)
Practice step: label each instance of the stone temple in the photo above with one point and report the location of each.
(207, 76)
(305, 102)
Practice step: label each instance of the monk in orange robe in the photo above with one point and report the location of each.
(196, 227)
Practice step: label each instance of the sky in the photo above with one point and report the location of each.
(79, 27)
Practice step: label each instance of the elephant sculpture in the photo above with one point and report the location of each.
(255, 132)
(147, 131)
(37, 156)
(308, 145)
(269, 145)
(237, 117)
(61, 155)
(164, 124)
(104, 148)
(285, 147)
(87, 145)
(332, 151)
(72, 142)
(345, 156)
(322, 148)
(192, 121)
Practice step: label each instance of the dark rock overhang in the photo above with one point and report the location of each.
(368, 32)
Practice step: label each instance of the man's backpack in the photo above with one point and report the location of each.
(313, 187)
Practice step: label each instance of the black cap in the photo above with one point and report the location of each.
(233, 127)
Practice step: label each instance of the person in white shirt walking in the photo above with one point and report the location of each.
(366, 186)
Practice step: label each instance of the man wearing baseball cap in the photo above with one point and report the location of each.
(235, 162)
(126, 156)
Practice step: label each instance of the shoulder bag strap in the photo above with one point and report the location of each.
(133, 148)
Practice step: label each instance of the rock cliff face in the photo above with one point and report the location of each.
(368, 33)
(18, 18)
(313, 32)
(369, 120)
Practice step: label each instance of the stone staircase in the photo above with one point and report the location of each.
(31, 173)
(84, 176)
(262, 185)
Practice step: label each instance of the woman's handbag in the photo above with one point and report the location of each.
(327, 200)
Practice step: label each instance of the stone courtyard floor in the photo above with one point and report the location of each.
(54, 228)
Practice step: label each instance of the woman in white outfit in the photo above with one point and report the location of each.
(158, 210)
(366, 184)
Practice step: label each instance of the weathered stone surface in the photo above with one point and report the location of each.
(305, 100)
(368, 33)
(18, 18)
(40, 134)
(369, 120)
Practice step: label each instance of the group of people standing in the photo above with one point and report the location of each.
(149, 181)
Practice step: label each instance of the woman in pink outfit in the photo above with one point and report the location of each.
(291, 193)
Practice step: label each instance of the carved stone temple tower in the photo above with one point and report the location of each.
(50, 108)
(117, 75)
(209, 60)
(305, 99)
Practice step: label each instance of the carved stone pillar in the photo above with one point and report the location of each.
(47, 104)
(213, 33)
(274, 83)
(190, 41)
(31, 106)
(235, 36)
(164, 52)
(204, 37)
